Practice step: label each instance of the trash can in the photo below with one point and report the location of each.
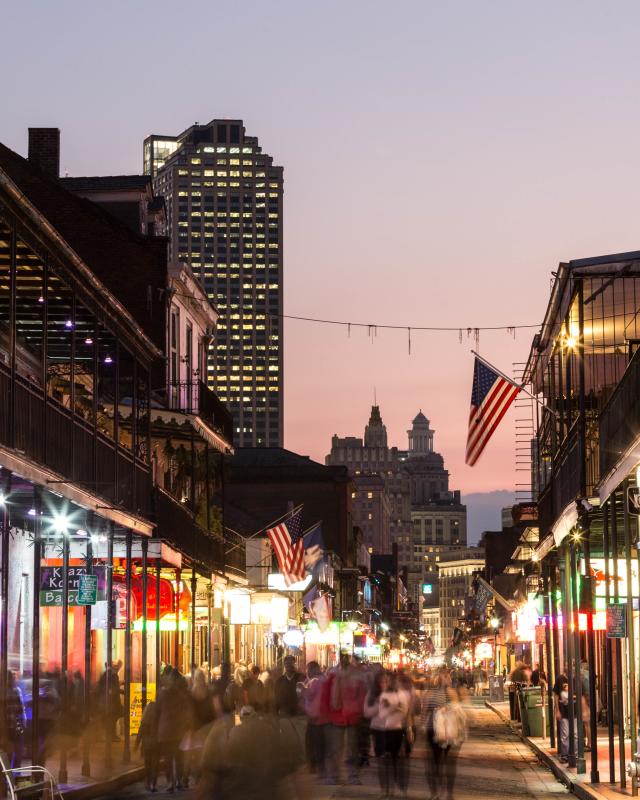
(496, 689)
(533, 711)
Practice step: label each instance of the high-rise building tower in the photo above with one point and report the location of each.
(224, 218)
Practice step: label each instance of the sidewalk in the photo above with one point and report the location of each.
(103, 780)
(580, 785)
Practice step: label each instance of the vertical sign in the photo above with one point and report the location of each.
(616, 621)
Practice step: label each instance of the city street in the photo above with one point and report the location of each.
(493, 763)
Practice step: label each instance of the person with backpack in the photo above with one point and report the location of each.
(444, 725)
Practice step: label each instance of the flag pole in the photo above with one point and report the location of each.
(513, 383)
(281, 518)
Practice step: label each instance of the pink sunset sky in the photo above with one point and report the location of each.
(440, 160)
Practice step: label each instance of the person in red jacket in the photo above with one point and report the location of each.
(347, 690)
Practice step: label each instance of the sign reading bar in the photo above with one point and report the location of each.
(616, 621)
(87, 590)
(51, 585)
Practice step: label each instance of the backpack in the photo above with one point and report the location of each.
(448, 726)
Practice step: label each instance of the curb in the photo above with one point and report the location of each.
(101, 788)
(576, 787)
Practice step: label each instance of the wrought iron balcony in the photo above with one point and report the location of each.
(195, 397)
(620, 418)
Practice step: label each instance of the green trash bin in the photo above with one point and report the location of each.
(532, 701)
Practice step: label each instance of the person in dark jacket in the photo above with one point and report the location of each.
(174, 720)
(108, 697)
(147, 743)
(15, 720)
(287, 698)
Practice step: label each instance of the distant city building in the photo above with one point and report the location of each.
(456, 573)
(224, 219)
(371, 511)
(426, 519)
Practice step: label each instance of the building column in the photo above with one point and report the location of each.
(126, 750)
(608, 664)
(63, 775)
(143, 643)
(86, 758)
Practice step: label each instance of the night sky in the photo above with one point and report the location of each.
(440, 160)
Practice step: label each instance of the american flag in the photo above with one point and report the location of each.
(288, 543)
(491, 396)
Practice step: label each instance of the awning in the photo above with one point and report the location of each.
(565, 523)
(625, 464)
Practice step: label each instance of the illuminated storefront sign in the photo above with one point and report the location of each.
(275, 580)
(337, 634)
(484, 651)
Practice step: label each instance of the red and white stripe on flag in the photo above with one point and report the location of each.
(491, 396)
(288, 544)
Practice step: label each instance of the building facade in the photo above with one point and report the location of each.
(372, 512)
(223, 200)
(457, 571)
(425, 517)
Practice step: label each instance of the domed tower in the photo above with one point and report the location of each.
(420, 436)
(375, 433)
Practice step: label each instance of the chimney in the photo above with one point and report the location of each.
(44, 150)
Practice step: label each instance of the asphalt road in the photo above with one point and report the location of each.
(493, 763)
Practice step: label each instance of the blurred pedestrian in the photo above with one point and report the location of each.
(147, 743)
(253, 690)
(317, 719)
(15, 721)
(388, 710)
(443, 722)
(174, 720)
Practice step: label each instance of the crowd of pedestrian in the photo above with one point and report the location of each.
(253, 734)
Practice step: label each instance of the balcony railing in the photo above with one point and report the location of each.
(564, 483)
(620, 418)
(49, 434)
(177, 526)
(195, 397)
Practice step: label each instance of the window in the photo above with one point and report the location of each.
(174, 375)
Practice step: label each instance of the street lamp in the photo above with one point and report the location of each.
(495, 624)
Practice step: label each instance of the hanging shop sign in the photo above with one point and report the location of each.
(616, 621)
(51, 584)
(87, 590)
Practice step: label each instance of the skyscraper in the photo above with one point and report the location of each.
(224, 219)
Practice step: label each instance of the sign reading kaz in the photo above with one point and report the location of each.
(51, 586)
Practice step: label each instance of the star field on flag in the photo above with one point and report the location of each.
(491, 396)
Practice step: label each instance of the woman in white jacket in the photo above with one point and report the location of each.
(388, 710)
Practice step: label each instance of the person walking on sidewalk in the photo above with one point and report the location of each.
(317, 719)
(147, 743)
(388, 710)
(444, 725)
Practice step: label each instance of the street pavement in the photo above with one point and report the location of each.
(493, 763)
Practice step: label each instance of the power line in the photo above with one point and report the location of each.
(376, 325)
